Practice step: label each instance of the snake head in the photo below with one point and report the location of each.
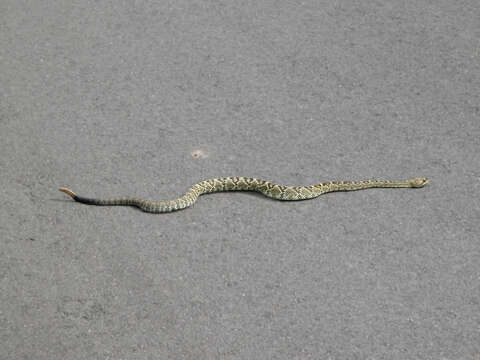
(418, 182)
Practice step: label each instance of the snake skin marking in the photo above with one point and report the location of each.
(275, 191)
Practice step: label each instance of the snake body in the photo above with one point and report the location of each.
(279, 192)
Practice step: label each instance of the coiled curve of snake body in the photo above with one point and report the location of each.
(268, 189)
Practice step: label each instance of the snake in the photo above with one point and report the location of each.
(271, 190)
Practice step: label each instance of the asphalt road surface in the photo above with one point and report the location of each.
(136, 98)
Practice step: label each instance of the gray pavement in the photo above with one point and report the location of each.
(146, 98)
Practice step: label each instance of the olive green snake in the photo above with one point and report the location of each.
(268, 189)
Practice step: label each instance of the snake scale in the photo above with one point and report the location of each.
(268, 189)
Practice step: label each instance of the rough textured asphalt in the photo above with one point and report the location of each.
(146, 98)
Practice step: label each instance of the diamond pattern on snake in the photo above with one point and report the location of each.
(271, 190)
